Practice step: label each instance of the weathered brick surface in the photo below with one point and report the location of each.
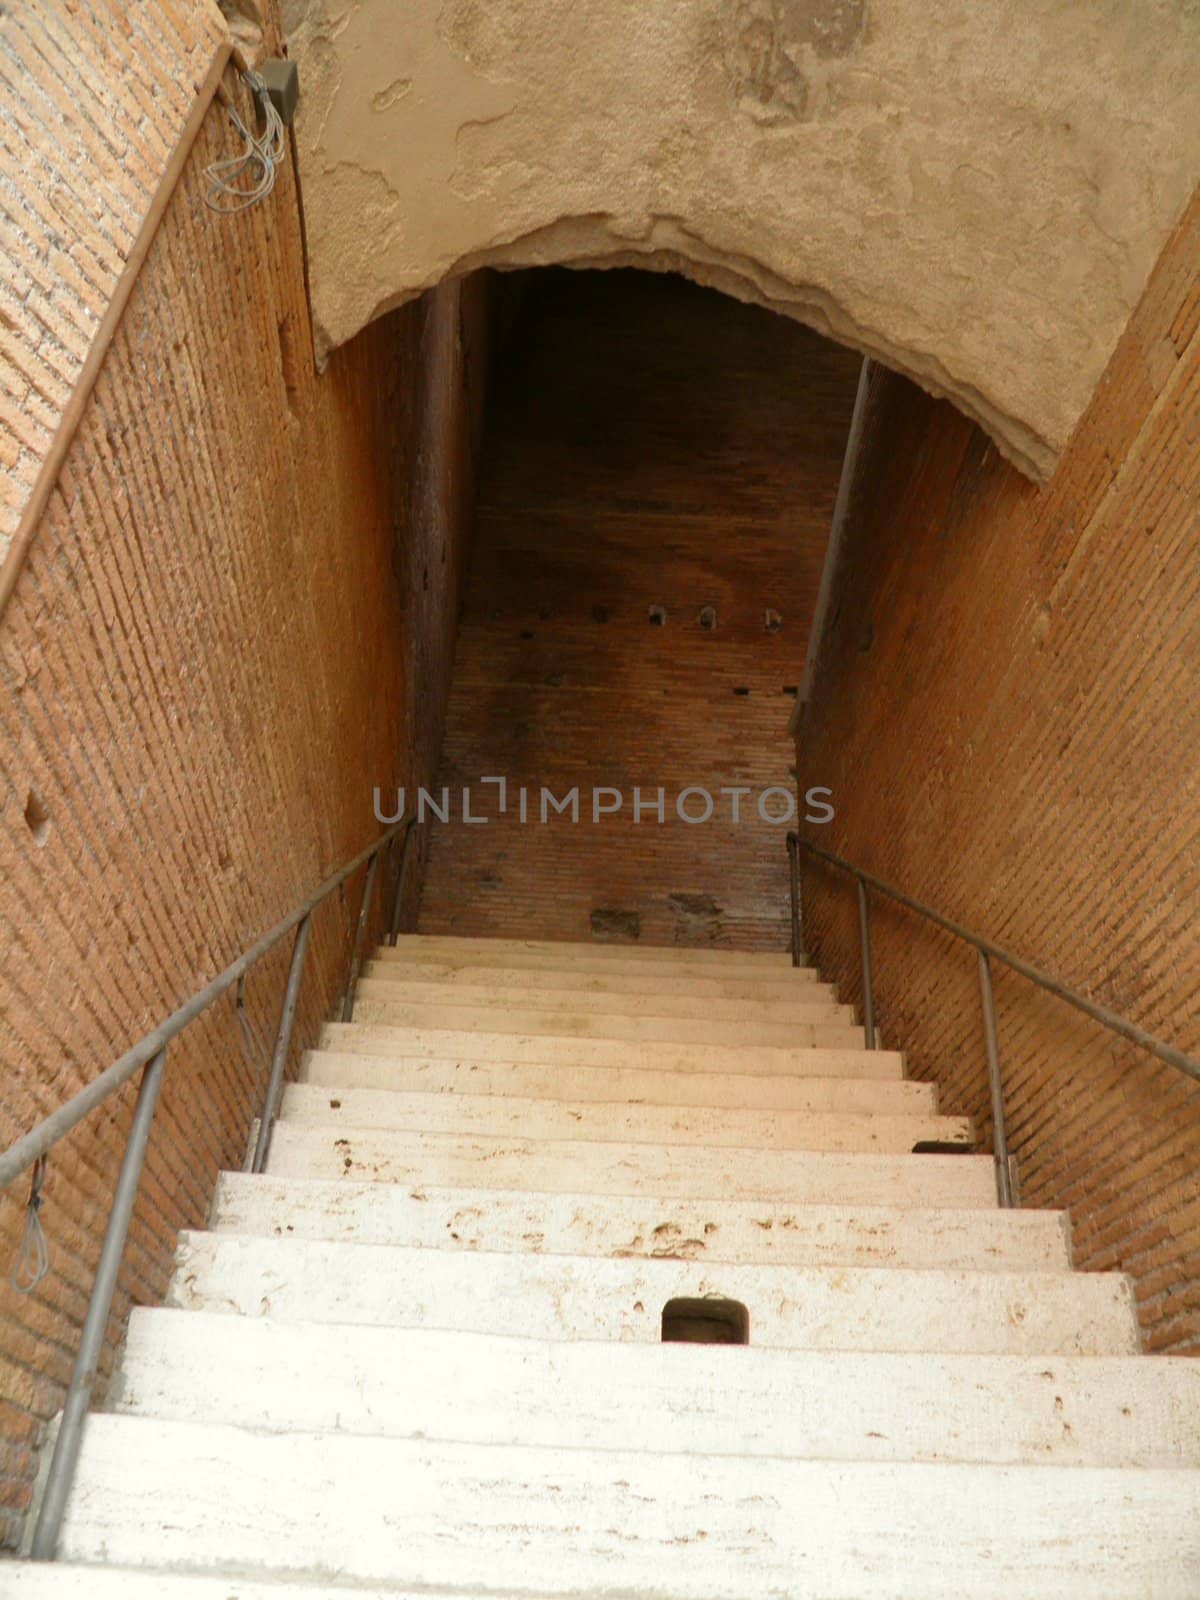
(94, 95)
(648, 443)
(1009, 713)
(208, 663)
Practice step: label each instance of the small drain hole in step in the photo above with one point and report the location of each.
(710, 1321)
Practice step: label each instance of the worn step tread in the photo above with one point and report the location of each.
(420, 1383)
(618, 1225)
(582, 1522)
(439, 946)
(357, 1111)
(634, 1085)
(370, 1005)
(795, 1177)
(380, 981)
(593, 1297)
(644, 978)
(61, 1580)
(624, 961)
(846, 1059)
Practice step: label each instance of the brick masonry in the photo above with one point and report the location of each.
(235, 620)
(95, 94)
(1009, 714)
(648, 444)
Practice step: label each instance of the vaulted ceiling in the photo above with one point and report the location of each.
(973, 191)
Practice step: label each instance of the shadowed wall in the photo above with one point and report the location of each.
(1008, 712)
(207, 664)
(649, 445)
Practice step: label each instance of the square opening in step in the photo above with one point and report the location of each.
(709, 1321)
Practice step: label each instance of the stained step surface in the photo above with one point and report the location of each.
(349, 1069)
(615, 1225)
(448, 1044)
(590, 1297)
(357, 1111)
(581, 1522)
(640, 958)
(487, 1389)
(794, 1177)
(59, 1580)
(808, 1004)
(785, 983)
(828, 1025)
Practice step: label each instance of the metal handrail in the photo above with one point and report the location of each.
(987, 952)
(151, 1053)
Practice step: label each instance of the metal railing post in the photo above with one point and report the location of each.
(283, 1039)
(398, 902)
(1171, 1054)
(23, 1152)
(91, 1344)
(999, 1135)
(864, 940)
(364, 911)
(793, 847)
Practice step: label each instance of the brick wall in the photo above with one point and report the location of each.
(1009, 714)
(208, 663)
(95, 94)
(649, 443)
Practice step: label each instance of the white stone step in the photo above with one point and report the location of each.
(370, 1005)
(382, 981)
(617, 1225)
(558, 1166)
(345, 1069)
(59, 1580)
(611, 957)
(647, 978)
(592, 1297)
(354, 1112)
(413, 1383)
(848, 1059)
(587, 1523)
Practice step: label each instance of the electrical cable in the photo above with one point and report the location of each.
(236, 183)
(32, 1262)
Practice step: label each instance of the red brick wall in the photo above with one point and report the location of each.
(1009, 715)
(95, 95)
(648, 443)
(236, 619)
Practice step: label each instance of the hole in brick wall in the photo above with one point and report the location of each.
(708, 618)
(600, 614)
(658, 615)
(709, 1321)
(697, 918)
(290, 362)
(37, 819)
(607, 922)
(772, 621)
(741, 690)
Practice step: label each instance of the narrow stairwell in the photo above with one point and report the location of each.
(425, 1350)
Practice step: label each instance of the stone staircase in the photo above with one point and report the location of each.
(424, 1351)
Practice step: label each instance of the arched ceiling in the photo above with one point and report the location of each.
(973, 191)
